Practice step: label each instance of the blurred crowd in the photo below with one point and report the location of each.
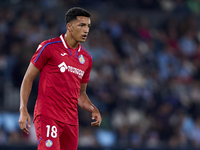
(145, 76)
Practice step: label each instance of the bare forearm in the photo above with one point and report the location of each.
(26, 86)
(25, 92)
(85, 103)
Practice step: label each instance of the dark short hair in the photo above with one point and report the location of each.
(72, 13)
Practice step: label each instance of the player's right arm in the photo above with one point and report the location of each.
(25, 91)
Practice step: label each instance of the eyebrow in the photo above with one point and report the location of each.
(85, 24)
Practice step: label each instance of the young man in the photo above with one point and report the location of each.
(64, 67)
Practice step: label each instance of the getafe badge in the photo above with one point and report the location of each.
(49, 143)
(81, 59)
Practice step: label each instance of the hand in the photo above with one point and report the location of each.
(97, 117)
(24, 116)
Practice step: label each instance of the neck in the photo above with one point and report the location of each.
(70, 41)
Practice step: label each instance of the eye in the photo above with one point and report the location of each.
(82, 25)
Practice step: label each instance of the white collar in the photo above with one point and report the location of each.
(63, 41)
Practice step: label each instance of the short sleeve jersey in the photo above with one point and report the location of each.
(62, 70)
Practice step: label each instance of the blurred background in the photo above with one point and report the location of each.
(145, 75)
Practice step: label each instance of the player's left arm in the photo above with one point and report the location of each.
(85, 103)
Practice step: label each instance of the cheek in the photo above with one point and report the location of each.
(77, 32)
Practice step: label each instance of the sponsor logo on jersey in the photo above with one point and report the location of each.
(63, 67)
(63, 54)
(49, 143)
(81, 59)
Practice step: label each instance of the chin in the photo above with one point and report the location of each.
(81, 41)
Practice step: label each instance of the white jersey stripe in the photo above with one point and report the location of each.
(63, 41)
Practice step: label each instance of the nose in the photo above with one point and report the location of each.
(86, 29)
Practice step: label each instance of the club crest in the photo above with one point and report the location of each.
(49, 143)
(81, 59)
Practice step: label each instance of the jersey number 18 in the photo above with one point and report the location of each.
(53, 131)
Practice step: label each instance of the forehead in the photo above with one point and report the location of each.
(82, 19)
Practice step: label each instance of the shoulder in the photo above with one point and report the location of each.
(46, 45)
(48, 42)
(86, 53)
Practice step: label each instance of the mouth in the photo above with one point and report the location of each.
(84, 36)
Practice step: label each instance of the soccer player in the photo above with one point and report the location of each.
(64, 67)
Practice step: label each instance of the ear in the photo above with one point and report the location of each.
(69, 27)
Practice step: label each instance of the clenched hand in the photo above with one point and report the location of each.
(97, 117)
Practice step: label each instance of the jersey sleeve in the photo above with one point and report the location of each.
(41, 56)
(87, 74)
